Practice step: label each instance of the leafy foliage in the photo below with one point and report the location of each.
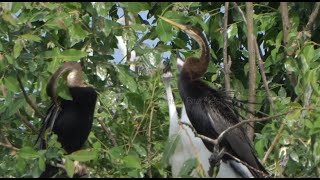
(36, 37)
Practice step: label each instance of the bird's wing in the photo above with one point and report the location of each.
(48, 123)
(222, 115)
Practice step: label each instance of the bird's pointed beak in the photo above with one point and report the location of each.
(180, 26)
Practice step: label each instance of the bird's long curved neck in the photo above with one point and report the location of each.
(74, 78)
(203, 62)
(205, 51)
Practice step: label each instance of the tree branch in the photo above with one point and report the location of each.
(32, 105)
(9, 146)
(312, 17)
(23, 119)
(240, 11)
(273, 144)
(225, 49)
(252, 67)
(223, 134)
(260, 62)
(285, 22)
(263, 75)
(108, 132)
(149, 138)
(26, 122)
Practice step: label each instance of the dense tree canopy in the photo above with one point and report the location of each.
(129, 137)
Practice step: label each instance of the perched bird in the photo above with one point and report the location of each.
(209, 111)
(189, 146)
(70, 120)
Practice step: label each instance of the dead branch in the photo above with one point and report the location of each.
(29, 101)
(225, 49)
(252, 66)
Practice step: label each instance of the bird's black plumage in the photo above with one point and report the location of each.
(208, 110)
(70, 120)
(210, 114)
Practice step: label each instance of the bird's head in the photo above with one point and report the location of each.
(74, 78)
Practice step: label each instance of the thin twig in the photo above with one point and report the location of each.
(23, 119)
(240, 11)
(215, 142)
(26, 122)
(149, 136)
(225, 49)
(32, 105)
(263, 75)
(252, 66)
(274, 142)
(108, 132)
(312, 17)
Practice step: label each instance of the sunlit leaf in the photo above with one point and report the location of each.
(69, 167)
(83, 155)
(132, 162)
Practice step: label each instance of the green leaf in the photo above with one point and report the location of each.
(259, 146)
(141, 150)
(169, 149)
(294, 115)
(188, 166)
(116, 152)
(232, 30)
(11, 84)
(63, 92)
(164, 31)
(16, 105)
(135, 7)
(282, 92)
(136, 100)
(77, 34)
(131, 161)
(31, 37)
(308, 52)
(126, 78)
(16, 6)
(69, 167)
(294, 156)
(21, 165)
(83, 155)
(28, 153)
(17, 48)
(72, 55)
(42, 163)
